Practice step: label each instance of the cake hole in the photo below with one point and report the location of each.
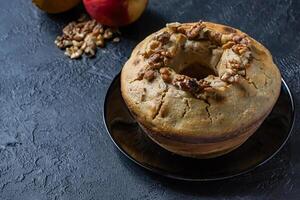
(197, 71)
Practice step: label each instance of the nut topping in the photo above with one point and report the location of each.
(240, 49)
(84, 36)
(192, 85)
(228, 45)
(194, 32)
(156, 60)
(165, 74)
(163, 48)
(163, 37)
(149, 75)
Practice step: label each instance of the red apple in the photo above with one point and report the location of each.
(115, 12)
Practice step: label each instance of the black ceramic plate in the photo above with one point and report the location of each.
(257, 150)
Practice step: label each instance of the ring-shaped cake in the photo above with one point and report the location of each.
(200, 89)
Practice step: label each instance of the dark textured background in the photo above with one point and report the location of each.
(53, 144)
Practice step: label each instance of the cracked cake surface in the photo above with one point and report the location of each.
(233, 87)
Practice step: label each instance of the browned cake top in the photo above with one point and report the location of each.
(200, 79)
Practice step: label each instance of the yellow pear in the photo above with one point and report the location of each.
(56, 6)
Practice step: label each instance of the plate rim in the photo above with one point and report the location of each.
(168, 175)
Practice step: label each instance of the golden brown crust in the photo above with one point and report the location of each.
(221, 114)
